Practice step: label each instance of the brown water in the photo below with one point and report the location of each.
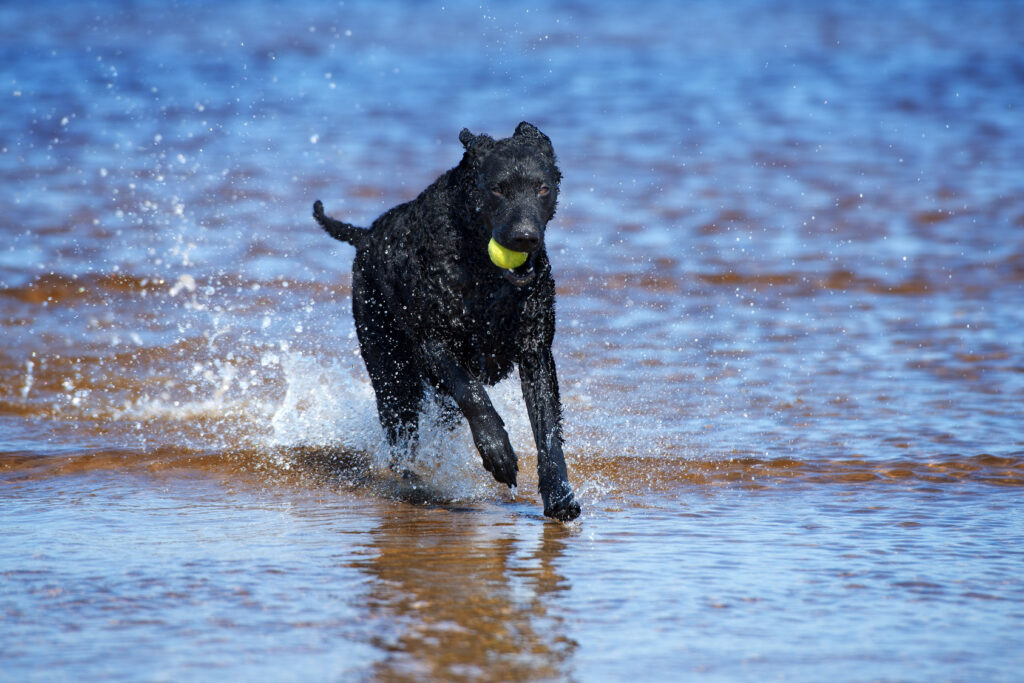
(790, 266)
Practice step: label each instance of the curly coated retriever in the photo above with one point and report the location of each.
(432, 309)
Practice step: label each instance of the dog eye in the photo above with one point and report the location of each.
(495, 190)
(543, 190)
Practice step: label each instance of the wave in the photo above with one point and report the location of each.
(56, 288)
(453, 474)
(664, 276)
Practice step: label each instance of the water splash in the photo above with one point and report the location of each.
(29, 367)
(330, 406)
(324, 404)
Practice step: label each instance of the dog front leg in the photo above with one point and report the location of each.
(540, 392)
(487, 427)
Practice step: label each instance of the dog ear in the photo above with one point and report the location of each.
(476, 145)
(526, 129)
(531, 132)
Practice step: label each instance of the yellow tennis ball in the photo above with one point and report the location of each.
(504, 257)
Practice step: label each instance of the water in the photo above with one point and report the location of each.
(790, 259)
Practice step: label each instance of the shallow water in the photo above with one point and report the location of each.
(790, 263)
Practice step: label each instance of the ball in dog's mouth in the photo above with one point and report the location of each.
(516, 266)
(503, 257)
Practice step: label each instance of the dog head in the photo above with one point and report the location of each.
(515, 190)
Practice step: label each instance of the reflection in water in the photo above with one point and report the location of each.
(457, 597)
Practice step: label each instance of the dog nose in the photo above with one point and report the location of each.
(524, 239)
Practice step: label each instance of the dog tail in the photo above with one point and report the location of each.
(338, 230)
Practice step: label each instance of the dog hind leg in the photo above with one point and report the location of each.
(396, 380)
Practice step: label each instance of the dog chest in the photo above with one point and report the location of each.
(492, 325)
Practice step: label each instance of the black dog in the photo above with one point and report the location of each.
(432, 309)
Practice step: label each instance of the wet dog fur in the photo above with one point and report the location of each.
(432, 310)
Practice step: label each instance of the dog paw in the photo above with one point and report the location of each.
(564, 507)
(492, 443)
(499, 459)
(503, 466)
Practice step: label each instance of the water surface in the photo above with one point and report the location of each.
(790, 267)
